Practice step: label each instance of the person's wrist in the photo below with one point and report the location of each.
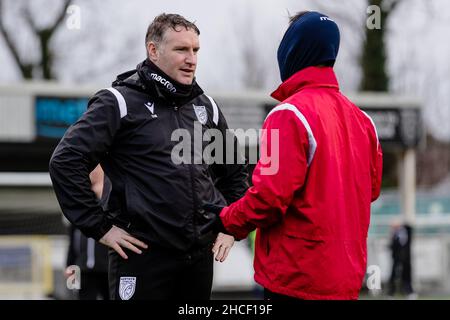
(105, 226)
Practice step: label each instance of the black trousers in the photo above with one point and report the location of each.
(94, 286)
(161, 274)
(401, 268)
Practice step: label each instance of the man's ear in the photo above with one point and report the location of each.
(152, 51)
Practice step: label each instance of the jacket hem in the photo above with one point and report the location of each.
(277, 288)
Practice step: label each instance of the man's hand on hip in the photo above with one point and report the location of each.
(117, 238)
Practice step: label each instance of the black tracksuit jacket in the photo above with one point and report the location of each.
(127, 129)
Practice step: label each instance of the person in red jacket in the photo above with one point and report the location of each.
(312, 213)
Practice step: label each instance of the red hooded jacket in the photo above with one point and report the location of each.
(311, 201)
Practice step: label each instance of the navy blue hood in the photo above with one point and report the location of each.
(310, 40)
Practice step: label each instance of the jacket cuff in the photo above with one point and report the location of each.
(236, 232)
(104, 227)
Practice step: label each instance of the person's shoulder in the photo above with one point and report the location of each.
(103, 95)
(127, 84)
(206, 99)
(302, 99)
(108, 100)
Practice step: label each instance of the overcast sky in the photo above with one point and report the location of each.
(111, 40)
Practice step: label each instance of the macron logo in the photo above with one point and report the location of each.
(166, 83)
(325, 19)
(151, 107)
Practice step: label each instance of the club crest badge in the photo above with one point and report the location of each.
(127, 287)
(200, 112)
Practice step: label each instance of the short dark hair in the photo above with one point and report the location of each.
(156, 29)
(297, 16)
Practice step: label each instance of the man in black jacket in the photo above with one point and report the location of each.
(400, 245)
(154, 210)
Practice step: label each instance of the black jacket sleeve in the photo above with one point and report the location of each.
(230, 179)
(77, 154)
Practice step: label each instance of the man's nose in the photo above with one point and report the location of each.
(191, 58)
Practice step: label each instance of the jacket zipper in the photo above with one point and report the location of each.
(191, 174)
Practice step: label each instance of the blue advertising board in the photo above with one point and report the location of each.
(55, 114)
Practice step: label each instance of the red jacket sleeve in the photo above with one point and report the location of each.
(280, 172)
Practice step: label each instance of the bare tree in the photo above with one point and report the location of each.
(254, 74)
(44, 36)
(373, 57)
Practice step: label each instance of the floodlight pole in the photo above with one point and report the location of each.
(407, 183)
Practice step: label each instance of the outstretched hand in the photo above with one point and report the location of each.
(118, 238)
(222, 246)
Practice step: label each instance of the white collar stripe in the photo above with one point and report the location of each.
(120, 100)
(373, 124)
(311, 140)
(215, 110)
